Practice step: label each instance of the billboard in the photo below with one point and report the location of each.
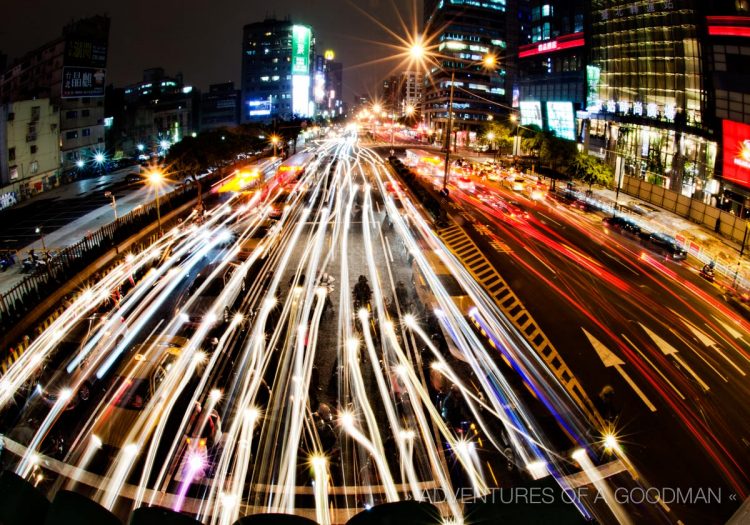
(82, 82)
(84, 68)
(301, 37)
(301, 83)
(736, 153)
(531, 113)
(561, 119)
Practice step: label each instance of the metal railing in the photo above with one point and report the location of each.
(64, 265)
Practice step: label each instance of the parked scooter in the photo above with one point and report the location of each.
(6, 261)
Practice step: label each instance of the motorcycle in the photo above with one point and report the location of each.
(707, 272)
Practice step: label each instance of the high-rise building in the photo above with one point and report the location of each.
(334, 86)
(647, 92)
(276, 71)
(220, 107)
(71, 72)
(413, 84)
(552, 53)
(467, 31)
(157, 112)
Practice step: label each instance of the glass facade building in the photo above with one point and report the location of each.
(552, 55)
(647, 93)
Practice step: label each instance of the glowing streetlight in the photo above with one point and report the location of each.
(410, 110)
(80, 163)
(141, 147)
(155, 178)
(41, 236)
(275, 141)
(99, 158)
(377, 108)
(417, 51)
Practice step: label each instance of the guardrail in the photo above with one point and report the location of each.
(68, 262)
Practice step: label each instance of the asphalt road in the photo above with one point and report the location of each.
(221, 373)
(679, 405)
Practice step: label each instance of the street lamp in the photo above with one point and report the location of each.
(275, 142)
(489, 62)
(41, 236)
(110, 195)
(155, 178)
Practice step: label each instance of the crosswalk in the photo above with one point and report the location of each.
(463, 247)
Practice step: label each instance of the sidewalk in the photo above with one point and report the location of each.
(74, 231)
(700, 242)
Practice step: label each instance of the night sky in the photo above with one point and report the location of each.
(202, 38)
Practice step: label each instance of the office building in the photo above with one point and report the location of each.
(728, 52)
(71, 72)
(648, 100)
(276, 71)
(413, 88)
(158, 111)
(220, 107)
(467, 31)
(30, 142)
(552, 53)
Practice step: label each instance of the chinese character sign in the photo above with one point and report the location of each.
(82, 82)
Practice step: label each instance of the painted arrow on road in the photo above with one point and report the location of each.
(708, 342)
(669, 350)
(611, 360)
(732, 331)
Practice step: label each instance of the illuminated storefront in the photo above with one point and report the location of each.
(647, 95)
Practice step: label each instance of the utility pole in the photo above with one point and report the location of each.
(448, 135)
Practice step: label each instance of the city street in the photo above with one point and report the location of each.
(232, 333)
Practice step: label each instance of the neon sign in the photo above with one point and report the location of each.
(564, 42)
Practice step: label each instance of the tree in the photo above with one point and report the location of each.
(557, 152)
(591, 170)
(497, 136)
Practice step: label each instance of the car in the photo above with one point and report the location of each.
(623, 225)
(738, 301)
(493, 176)
(137, 382)
(666, 244)
(133, 177)
(515, 183)
(191, 308)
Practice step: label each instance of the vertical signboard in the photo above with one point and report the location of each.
(84, 68)
(531, 113)
(593, 76)
(301, 41)
(561, 119)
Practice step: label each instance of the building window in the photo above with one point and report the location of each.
(11, 116)
(12, 154)
(35, 112)
(71, 114)
(33, 148)
(71, 135)
(85, 113)
(34, 167)
(86, 132)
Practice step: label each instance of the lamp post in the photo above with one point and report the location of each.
(275, 142)
(41, 236)
(110, 195)
(449, 130)
(742, 252)
(156, 179)
(418, 53)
